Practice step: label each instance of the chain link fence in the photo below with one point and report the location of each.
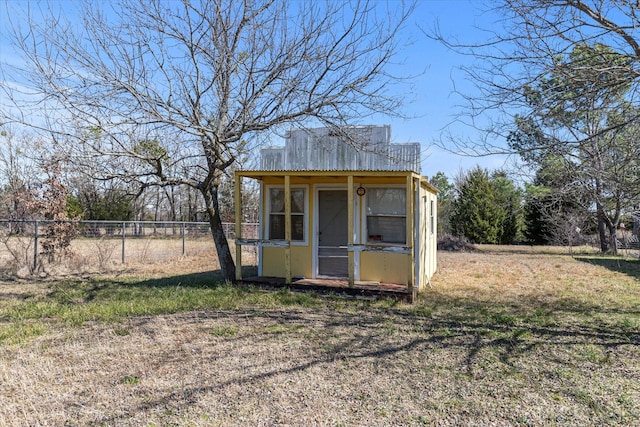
(104, 245)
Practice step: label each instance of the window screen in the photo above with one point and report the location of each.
(386, 215)
(276, 213)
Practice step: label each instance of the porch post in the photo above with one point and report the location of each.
(350, 253)
(238, 218)
(410, 240)
(287, 228)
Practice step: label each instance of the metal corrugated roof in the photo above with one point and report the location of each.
(320, 149)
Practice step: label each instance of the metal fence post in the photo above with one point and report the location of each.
(124, 232)
(35, 248)
(183, 243)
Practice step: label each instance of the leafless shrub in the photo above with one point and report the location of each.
(51, 203)
(145, 250)
(20, 250)
(104, 250)
(568, 231)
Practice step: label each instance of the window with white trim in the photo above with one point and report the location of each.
(277, 217)
(432, 219)
(386, 215)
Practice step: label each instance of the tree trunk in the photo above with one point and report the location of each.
(613, 237)
(602, 232)
(227, 266)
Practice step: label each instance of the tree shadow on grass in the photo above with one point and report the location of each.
(375, 339)
(196, 280)
(77, 291)
(204, 279)
(625, 266)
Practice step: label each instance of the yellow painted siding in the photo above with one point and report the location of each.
(433, 236)
(380, 267)
(384, 267)
(273, 261)
(423, 244)
(427, 246)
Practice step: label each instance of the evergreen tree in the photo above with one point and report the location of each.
(109, 204)
(553, 213)
(446, 193)
(487, 207)
(580, 115)
(508, 197)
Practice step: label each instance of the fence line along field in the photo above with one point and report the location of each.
(104, 246)
(507, 336)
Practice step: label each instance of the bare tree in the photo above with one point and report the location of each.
(174, 93)
(562, 78)
(18, 176)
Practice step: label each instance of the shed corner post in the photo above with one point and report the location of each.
(350, 217)
(409, 233)
(287, 228)
(238, 225)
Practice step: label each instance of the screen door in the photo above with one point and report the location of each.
(333, 260)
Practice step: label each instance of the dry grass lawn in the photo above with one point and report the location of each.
(505, 337)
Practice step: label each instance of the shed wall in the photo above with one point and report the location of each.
(372, 266)
(426, 244)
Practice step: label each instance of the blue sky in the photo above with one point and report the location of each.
(436, 104)
(432, 103)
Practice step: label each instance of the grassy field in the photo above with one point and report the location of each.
(104, 255)
(506, 336)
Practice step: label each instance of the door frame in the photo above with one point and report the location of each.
(316, 226)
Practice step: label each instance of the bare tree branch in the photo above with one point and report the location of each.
(174, 93)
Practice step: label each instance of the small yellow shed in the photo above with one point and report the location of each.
(351, 210)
